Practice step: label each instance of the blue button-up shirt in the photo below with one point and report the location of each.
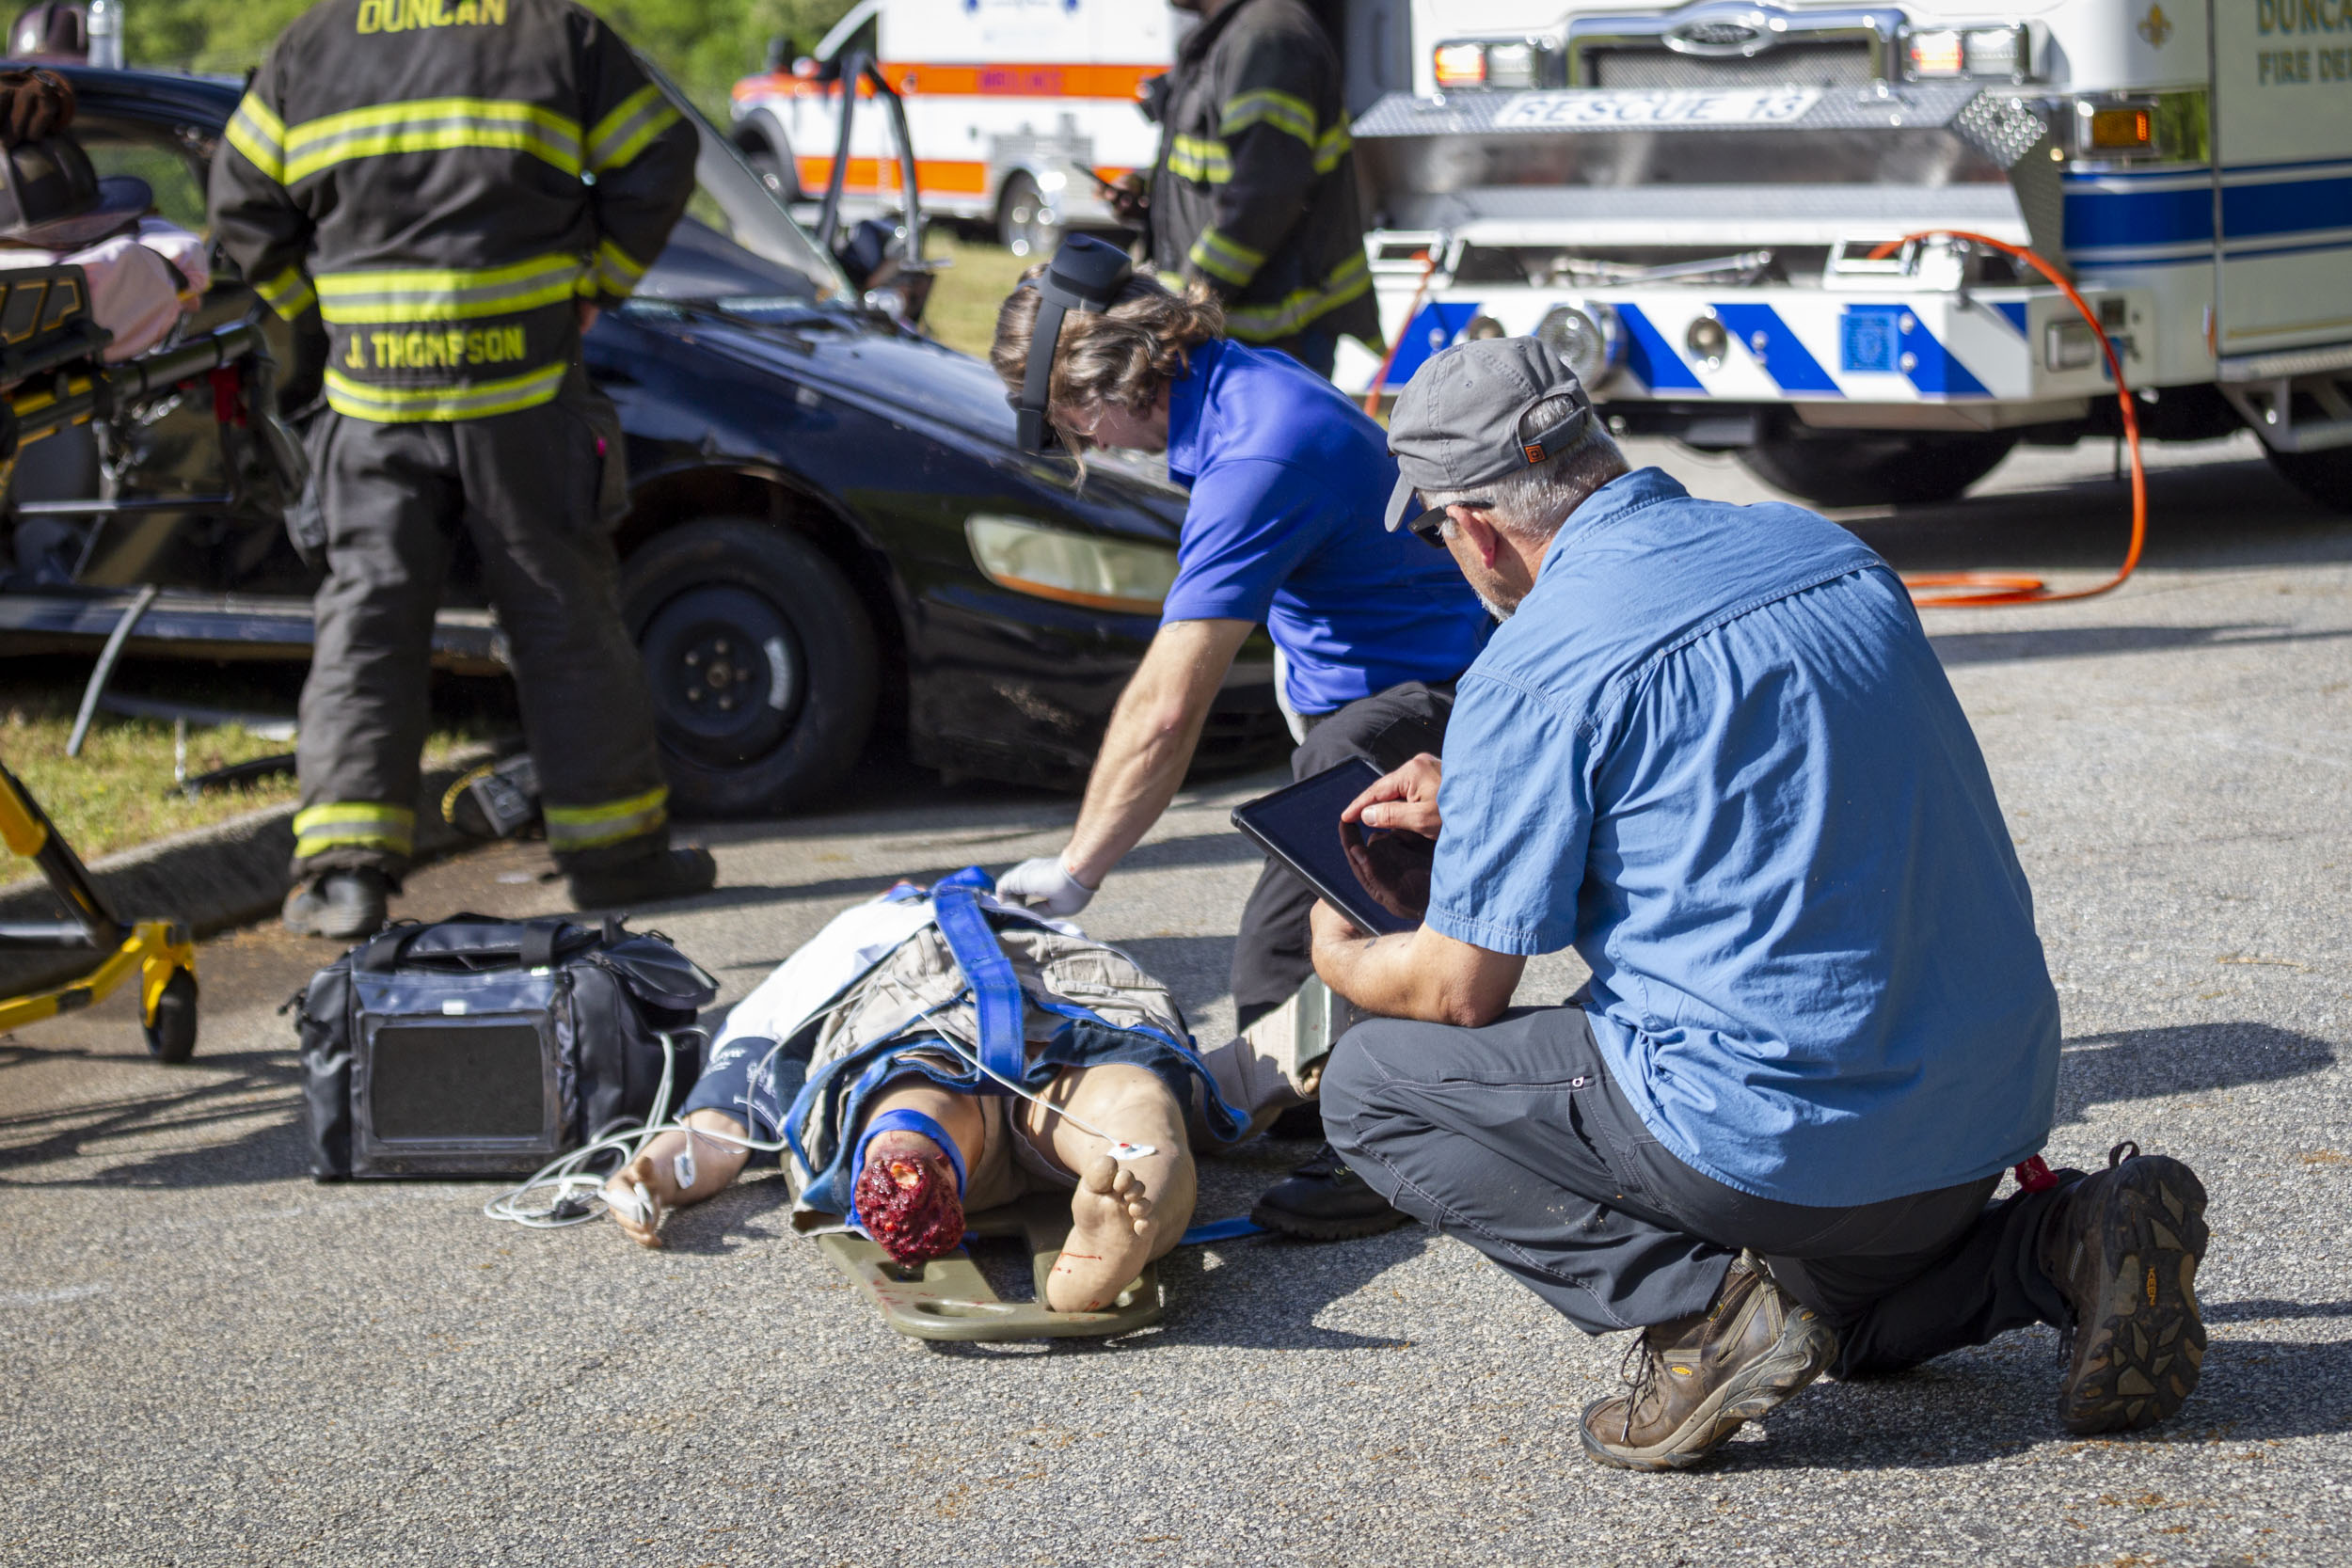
(1714, 751)
(1289, 483)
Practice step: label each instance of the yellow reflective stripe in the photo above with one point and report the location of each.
(1220, 256)
(1202, 158)
(260, 135)
(422, 294)
(432, 126)
(349, 824)
(477, 400)
(1265, 324)
(593, 827)
(1331, 146)
(1267, 108)
(289, 294)
(619, 137)
(617, 271)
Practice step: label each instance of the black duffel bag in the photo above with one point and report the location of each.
(482, 1047)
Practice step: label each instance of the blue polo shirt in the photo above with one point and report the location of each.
(1289, 482)
(1715, 753)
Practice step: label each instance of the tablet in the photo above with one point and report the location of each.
(1379, 880)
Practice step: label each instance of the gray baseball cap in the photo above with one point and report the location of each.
(1456, 424)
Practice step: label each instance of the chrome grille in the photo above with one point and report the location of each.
(1803, 64)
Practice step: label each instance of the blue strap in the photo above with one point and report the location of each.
(995, 988)
(1221, 1230)
(903, 1122)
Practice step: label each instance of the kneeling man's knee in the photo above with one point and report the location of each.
(1358, 1091)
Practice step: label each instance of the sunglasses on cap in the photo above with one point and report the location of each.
(1429, 528)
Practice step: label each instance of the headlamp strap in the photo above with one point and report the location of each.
(1086, 275)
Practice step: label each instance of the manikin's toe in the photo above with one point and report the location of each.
(1109, 1242)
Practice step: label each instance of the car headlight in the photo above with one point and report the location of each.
(1071, 568)
(1586, 335)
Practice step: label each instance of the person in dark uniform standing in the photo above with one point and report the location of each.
(1254, 190)
(458, 186)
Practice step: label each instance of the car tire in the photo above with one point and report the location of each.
(1876, 469)
(2324, 476)
(1024, 224)
(762, 663)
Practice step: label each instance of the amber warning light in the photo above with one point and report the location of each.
(2122, 129)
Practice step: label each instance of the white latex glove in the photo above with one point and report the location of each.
(1044, 886)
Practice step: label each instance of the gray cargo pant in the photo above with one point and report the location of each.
(527, 489)
(1515, 1138)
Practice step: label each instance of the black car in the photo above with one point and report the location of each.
(832, 531)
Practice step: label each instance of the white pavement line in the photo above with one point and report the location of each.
(45, 1298)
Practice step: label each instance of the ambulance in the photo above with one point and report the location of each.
(1009, 103)
(1736, 220)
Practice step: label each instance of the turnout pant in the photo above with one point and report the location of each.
(525, 489)
(1516, 1139)
(1271, 958)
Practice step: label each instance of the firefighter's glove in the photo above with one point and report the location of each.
(1045, 886)
(1130, 200)
(35, 105)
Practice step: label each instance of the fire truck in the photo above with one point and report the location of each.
(1739, 222)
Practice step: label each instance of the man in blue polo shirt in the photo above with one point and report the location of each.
(1288, 480)
(1712, 750)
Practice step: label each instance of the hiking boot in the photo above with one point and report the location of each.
(647, 879)
(344, 904)
(1325, 1201)
(1691, 1383)
(2124, 1245)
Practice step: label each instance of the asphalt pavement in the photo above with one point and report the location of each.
(209, 1358)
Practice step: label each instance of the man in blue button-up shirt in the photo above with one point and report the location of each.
(1711, 748)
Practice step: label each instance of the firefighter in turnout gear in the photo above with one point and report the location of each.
(457, 186)
(1255, 190)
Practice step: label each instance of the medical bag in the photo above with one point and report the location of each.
(482, 1047)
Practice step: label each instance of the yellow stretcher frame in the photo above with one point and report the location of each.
(162, 953)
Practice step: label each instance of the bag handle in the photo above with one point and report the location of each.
(536, 948)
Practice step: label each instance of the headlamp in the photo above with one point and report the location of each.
(1086, 275)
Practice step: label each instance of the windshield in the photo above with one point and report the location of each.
(732, 202)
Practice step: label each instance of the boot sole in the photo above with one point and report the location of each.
(331, 930)
(1303, 1228)
(2139, 1344)
(1804, 1351)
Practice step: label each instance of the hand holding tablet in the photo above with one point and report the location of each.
(1373, 869)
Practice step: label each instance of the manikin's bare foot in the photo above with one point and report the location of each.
(1113, 1232)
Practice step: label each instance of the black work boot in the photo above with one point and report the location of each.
(647, 879)
(1325, 1201)
(344, 904)
(2124, 1245)
(1691, 1382)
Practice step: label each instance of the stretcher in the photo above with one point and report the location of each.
(53, 375)
(161, 953)
(949, 1298)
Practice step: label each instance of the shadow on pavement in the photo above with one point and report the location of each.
(2181, 1058)
(1997, 647)
(2204, 515)
(240, 1088)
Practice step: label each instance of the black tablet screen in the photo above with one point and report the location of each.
(1379, 879)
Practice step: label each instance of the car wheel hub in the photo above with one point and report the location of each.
(725, 671)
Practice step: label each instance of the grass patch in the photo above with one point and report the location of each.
(963, 310)
(119, 793)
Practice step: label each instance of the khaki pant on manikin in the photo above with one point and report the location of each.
(527, 489)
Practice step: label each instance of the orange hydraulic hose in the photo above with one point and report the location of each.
(1981, 590)
(1371, 398)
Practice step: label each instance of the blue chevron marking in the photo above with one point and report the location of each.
(1792, 368)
